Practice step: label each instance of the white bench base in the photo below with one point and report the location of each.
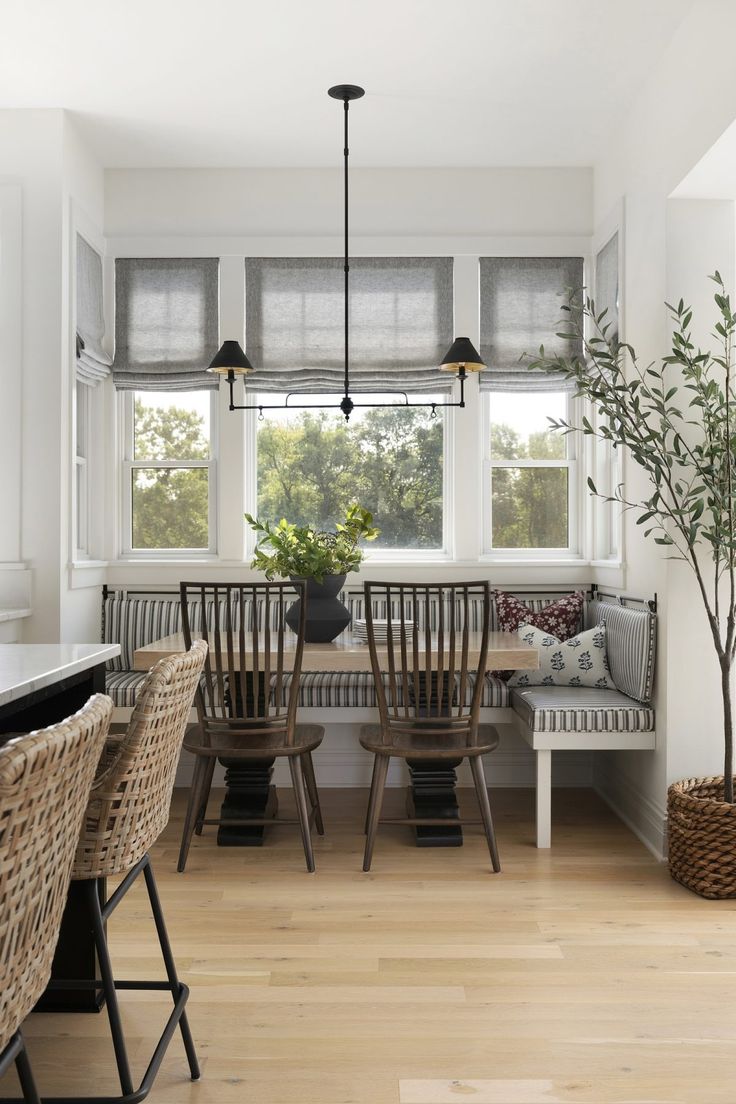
(544, 743)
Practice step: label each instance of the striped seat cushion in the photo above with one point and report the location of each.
(123, 686)
(630, 643)
(576, 709)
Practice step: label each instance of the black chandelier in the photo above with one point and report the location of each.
(230, 360)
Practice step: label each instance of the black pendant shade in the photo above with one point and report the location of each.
(462, 354)
(230, 358)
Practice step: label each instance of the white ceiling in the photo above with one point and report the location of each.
(241, 83)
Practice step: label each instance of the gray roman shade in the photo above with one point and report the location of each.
(93, 363)
(606, 286)
(401, 315)
(166, 323)
(521, 300)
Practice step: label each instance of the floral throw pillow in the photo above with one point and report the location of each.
(562, 618)
(580, 661)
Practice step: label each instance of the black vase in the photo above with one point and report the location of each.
(326, 615)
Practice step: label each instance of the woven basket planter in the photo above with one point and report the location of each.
(701, 832)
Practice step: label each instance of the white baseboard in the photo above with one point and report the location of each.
(646, 818)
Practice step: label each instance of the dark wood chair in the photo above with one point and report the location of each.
(429, 666)
(247, 697)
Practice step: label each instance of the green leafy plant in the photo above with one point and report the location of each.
(285, 549)
(676, 419)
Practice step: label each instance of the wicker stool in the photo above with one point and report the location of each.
(45, 780)
(128, 810)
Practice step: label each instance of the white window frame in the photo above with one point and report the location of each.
(128, 464)
(81, 485)
(371, 553)
(573, 549)
(606, 464)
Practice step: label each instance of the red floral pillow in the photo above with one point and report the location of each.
(561, 618)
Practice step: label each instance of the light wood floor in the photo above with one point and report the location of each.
(578, 974)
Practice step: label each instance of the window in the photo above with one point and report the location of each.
(168, 471)
(82, 421)
(92, 368)
(311, 465)
(531, 481)
(530, 486)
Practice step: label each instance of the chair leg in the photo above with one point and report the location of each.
(193, 808)
(481, 790)
(297, 778)
(168, 957)
(207, 786)
(311, 783)
(381, 770)
(108, 985)
(371, 795)
(25, 1075)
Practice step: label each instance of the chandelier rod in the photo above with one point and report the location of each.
(346, 154)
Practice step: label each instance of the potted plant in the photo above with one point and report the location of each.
(677, 421)
(322, 560)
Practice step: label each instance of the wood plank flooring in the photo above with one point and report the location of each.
(578, 974)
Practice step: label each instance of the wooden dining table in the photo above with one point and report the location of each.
(249, 792)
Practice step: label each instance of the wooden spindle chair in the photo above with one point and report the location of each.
(247, 700)
(429, 675)
(45, 781)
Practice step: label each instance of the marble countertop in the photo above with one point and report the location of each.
(25, 668)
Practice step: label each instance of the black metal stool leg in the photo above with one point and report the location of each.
(170, 965)
(23, 1069)
(108, 985)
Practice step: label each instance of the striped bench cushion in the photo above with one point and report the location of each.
(133, 622)
(630, 643)
(576, 709)
(356, 690)
(122, 686)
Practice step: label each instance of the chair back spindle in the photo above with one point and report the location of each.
(244, 691)
(431, 651)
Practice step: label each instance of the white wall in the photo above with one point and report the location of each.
(82, 209)
(40, 152)
(701, 237)
(31, 155)
(678, 116)
(308, 202)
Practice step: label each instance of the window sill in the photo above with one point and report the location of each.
(534, 561)
(87, 573)
(10, 614)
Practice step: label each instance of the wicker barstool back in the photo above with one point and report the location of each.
(45, 781)
(131, 796)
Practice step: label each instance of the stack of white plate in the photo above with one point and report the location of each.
(380, 630)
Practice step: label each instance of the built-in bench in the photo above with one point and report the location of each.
(547, 718)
